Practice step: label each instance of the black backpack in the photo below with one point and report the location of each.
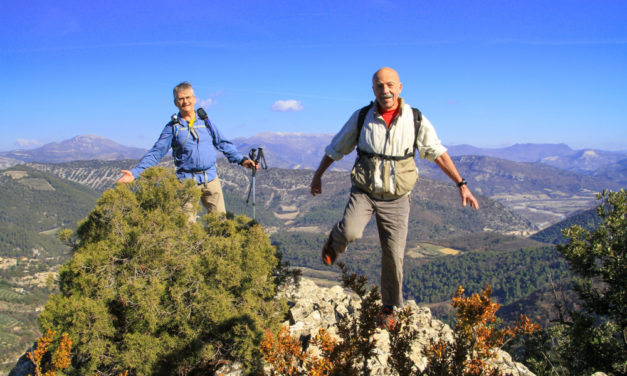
(360, 124)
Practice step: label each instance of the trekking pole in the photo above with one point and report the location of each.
(255, 155)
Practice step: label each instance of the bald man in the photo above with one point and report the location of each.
(387, 134)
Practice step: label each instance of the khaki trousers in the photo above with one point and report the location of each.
(211, 198)
(392, 217)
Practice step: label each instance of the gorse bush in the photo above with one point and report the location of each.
(475, 338)
(47, 363)
(149, 293)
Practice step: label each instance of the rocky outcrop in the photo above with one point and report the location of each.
(313, 307)
(24, 366)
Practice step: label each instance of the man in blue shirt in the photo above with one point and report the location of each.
(192, 141)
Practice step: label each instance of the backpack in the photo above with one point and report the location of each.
(360, 124)
(174, 122)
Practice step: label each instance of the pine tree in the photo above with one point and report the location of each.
(147, 292)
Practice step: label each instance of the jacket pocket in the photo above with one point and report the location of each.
(405, 176)
(362, 175)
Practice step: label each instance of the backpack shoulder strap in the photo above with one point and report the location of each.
(174, 123)
(417, 123)
(362, 118)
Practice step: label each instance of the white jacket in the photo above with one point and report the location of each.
(377, 138)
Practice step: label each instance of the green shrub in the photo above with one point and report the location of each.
(590, 336)
(147, 292)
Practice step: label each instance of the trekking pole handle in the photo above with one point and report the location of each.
(261, 159)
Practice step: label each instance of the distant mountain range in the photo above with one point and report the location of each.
(303, 150)
(299, 150)
(85, 147)
(543, 182)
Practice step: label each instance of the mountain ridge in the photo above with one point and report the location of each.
(77, 148)
(541, 193)
(304, 150)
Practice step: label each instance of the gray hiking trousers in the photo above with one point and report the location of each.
(392, 217)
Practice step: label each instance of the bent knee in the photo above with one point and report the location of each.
(352, 235)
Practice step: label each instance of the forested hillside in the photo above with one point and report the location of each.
(587, 219)
(34, 205)
(512, 274)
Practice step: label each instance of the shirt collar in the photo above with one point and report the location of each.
(401, 104)
(183, 121)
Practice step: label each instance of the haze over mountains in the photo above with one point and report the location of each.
(543, 182)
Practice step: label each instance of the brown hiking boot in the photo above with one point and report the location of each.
(329, 255)
(387, 319)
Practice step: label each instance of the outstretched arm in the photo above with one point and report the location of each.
(316, 181)
(445, 163)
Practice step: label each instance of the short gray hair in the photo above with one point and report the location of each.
(182, 86)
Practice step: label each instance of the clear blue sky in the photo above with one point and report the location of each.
(486, 73)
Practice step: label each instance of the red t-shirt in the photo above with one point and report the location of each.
(388, 116)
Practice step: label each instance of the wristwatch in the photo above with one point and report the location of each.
(463, 182)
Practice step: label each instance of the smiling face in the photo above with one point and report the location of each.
(386, 86)
(185, 100)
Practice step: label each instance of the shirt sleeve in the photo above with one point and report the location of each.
(225, 146)
(428, 144)
(345, 140)
(154, 155)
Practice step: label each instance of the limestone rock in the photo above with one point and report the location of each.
(313, 308)
(24, 365)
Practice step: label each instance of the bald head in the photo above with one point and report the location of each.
(387, 87)
(385, 73)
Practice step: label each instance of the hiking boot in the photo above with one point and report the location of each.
(387, 319)
(329, 255)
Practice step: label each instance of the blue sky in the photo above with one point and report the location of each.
(486, 73)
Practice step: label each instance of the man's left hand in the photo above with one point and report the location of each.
(249, 163)
(468, 198)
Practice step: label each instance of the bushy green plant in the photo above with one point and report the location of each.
(592, 336)
(148, 292)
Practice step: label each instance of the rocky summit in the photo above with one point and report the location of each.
(313, 308)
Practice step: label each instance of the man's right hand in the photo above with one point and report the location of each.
(316, 183)
(127, 177)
